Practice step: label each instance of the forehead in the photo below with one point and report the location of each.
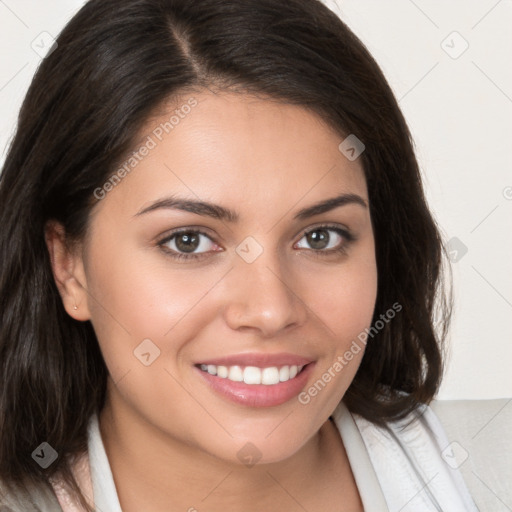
(236, 149)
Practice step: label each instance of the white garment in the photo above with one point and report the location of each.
(406, 461)
(396, 469)
(481, 439)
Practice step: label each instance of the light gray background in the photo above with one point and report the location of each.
(459, 107)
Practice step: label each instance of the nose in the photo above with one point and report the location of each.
(261, 297)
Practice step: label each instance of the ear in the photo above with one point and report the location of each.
(68, 272)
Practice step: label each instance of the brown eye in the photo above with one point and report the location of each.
(318, 239)
(321, 239)
(185, 243)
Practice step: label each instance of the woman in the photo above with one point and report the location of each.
(219, 273)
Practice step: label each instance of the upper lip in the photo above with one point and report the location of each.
(259, 360)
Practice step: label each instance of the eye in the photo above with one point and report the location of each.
(321, 241)
(188, 243)
(182, 244)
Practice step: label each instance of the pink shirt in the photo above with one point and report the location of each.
(81, 470)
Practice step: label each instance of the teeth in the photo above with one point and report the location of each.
(235, 373)
(252, 374)
(222, 371)
(270, 376)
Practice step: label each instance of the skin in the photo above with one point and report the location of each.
(170, 439)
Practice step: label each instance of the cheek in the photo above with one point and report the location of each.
(344, 300)
(343, 303)
(134, 297)
(142, 317)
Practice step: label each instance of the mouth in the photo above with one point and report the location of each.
(253, 375)
(256, 386)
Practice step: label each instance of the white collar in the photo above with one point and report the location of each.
(105, 493)
(408, 457)
(360, 462)
(103, 486)
(392, 466)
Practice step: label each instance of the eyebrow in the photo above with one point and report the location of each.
(216, 211)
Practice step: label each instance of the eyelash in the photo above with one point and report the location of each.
(349, 238)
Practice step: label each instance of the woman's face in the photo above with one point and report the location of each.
(269, 288)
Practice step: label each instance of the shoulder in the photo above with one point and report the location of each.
(412, 458)
(480, 441)
(28, 498)
(54, 497)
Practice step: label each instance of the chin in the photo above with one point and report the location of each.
(263, 447)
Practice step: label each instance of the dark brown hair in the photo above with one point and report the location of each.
(117, 63)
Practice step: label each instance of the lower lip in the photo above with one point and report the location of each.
(258, 395)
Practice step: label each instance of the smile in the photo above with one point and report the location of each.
(255, 386)
(253, 375)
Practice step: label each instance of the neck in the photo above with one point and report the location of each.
(153, 471)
